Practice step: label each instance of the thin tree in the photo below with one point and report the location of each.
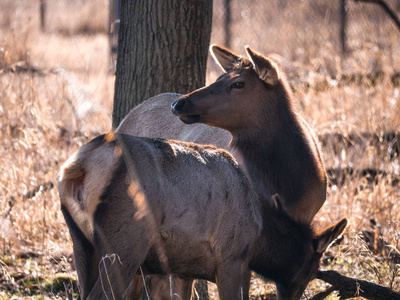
(162, 47)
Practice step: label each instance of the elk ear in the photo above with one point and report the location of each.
(224, 58)
(277, 202)
(265, 68)
(326, 237)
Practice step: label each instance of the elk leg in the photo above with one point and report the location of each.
(86, 257)
(135, 289)
(181, 289)
(113, 279)
(170, 287)
(117, 272)
(228, 279)
(245, 286)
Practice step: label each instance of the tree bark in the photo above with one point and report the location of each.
(162, 47)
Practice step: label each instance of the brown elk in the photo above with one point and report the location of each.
(267, 136)
(254, 103)
(183, 209)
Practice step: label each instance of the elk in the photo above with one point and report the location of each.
(252, 111)
(179, 208)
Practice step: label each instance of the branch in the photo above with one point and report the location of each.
(386, 8)
(350, 287)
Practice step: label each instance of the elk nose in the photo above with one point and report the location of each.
(177, 105)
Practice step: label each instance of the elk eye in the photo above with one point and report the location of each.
(237, 85)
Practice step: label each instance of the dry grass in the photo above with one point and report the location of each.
(56, 93)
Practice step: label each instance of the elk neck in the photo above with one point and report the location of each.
(276, 153)
(281, 248)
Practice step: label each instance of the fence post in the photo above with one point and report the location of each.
(227, 23)
(43, 8)
(113, 29)
(343, 23)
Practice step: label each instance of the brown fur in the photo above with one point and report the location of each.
(272, 142)
(182, 209)
(263, 130)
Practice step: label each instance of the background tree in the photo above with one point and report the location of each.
(162, 47)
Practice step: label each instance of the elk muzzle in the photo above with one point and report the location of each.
(180, 109)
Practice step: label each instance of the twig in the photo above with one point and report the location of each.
(351, 287)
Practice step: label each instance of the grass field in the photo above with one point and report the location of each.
(56, 94)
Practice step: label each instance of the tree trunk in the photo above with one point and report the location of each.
(162, 47)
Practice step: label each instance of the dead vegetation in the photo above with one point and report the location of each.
(56, 93)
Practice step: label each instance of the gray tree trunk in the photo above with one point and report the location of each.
(162, 47)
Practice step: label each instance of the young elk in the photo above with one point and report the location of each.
(254, 103)
(183, 209)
